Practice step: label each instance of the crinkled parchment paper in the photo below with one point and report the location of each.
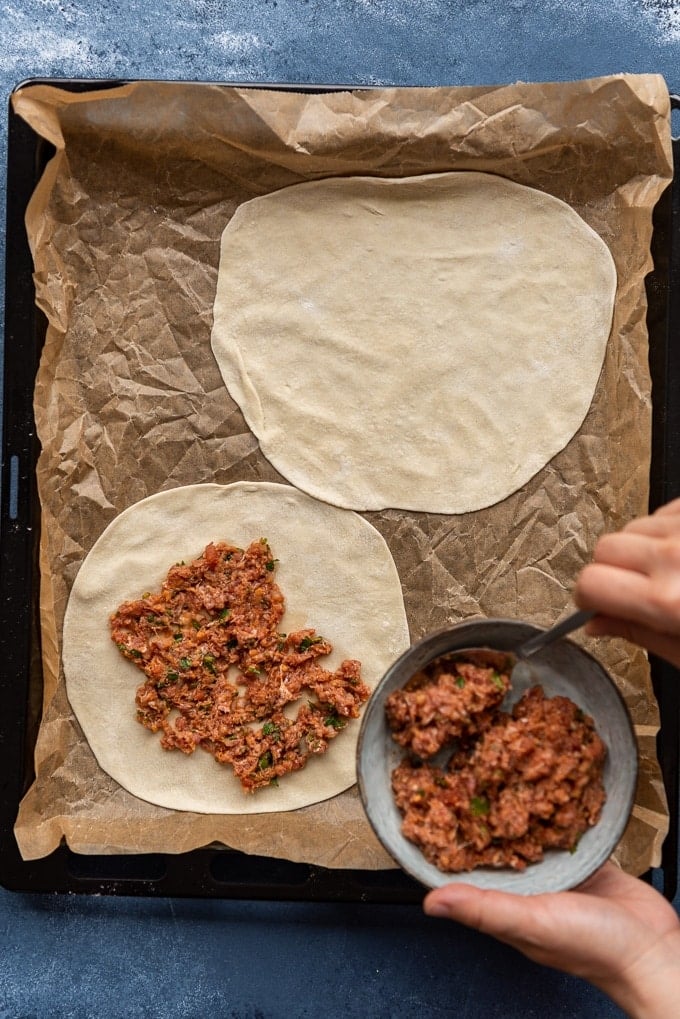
(125, 229)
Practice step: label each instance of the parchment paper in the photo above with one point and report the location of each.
(125, 229)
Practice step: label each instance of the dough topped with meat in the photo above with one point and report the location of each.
(339, 582)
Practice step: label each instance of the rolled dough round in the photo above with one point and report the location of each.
(424, 343)
(337, 576)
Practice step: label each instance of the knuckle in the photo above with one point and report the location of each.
(669, 554)
(587, 581)
(606, 547)
(664, 598)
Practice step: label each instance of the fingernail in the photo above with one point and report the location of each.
(436, 909)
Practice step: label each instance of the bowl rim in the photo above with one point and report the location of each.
(454, 631)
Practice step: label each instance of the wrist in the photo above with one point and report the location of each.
(650, 987)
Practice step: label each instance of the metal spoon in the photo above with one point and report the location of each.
(534, 644)
(503, 660)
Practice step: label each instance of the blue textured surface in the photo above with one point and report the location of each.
(85, 958)
(95, 957)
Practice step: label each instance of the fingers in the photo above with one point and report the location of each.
(565, 930)
(664, 522)
(505, 916)
(628, 551)
(598, 931)
(662, 644)
(615, 592)
(635, 578)
(657, 526)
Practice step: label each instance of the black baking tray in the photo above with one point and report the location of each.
(216, 871)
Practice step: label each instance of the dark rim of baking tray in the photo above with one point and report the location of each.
(217, 871)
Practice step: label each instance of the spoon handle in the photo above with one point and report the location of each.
(534, 644)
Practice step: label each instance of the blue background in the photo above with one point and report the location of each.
(67, 956)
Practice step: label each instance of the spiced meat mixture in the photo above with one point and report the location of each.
(515, 785)
(219, 672)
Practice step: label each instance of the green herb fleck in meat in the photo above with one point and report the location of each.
(497, 681)
(479, 806)
(271, 729)
(335, 722)
(129, 652)
(308, 642)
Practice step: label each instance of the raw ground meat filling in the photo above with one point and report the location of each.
(219, 673)
(447, 701)
(516, 784)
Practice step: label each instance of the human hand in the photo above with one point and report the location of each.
(614, 930)
(633, 584)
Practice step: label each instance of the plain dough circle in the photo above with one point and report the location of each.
(337, 576)
(425, 343)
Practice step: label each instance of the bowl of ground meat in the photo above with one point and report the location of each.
(517, 780)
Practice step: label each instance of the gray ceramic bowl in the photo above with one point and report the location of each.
(562, 668)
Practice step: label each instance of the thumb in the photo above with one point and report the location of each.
(517, 920)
